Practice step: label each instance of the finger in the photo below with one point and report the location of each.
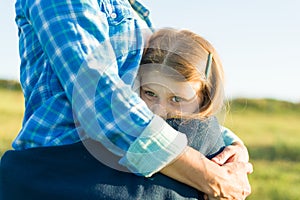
(249, 168)
(222, 157)
(246, 191)
(241, 168)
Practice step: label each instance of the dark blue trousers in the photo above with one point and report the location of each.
(71, 172)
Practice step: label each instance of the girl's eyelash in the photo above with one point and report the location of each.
(177, 99)
(147, 92)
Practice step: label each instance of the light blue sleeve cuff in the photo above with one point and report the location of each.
(229, 137)
(156, 147)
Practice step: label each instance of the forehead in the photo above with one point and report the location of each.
(161, 81)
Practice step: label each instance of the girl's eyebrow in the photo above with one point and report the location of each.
(146, 87)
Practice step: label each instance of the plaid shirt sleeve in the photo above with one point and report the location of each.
(82, 56)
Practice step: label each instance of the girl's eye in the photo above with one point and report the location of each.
(150, 94)
(176, 99)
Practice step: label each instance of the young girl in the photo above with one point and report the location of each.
(181, 79)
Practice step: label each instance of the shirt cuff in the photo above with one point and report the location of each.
(157, 146)
(229, 137)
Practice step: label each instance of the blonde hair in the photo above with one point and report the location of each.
(187, 53)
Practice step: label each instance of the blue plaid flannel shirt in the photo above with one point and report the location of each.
(79, 59)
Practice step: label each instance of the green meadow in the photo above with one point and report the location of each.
(269, 128)
(11, 113)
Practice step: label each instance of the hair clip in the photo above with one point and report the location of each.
(208, 65)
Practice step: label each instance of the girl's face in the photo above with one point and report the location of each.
(167, 97)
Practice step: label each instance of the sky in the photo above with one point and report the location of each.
(258, 41)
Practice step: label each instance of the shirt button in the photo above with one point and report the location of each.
(113, 15)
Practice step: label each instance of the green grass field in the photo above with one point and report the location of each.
(270, 129)
(11, 112)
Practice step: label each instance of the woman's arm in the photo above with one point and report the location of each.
(235, 150)
(229, 181)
